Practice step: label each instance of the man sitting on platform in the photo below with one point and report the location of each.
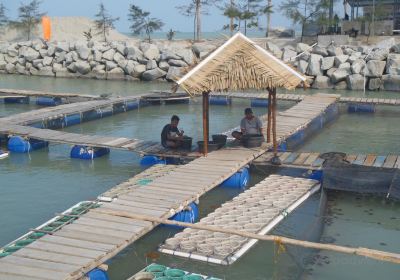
(250, 124)
(171, 137)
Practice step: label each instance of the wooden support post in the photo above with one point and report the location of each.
(206, 96)
(274, 122)
(269, 116)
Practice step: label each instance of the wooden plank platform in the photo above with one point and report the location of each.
(257, 210)
(162, 197)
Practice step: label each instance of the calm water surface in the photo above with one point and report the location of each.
(37, 185)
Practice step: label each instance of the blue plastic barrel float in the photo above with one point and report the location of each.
(259, 102)
(17, 100)
(48, 101)
(83, 152)
(132, 105)
(91, 115)
(238, 180)
(190, 215)
(150, 160)
(220, 100)
(97, 274)
(361, 108)
(119, 108)
(72, 119)
(17, 144)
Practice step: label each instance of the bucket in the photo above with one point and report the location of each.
(220, 139)
(212, 146)
(187, 143)
(252, 140)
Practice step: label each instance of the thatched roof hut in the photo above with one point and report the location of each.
(240, 64)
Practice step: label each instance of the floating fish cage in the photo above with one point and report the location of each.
(162, 272)
(48, 101)
(48, 227)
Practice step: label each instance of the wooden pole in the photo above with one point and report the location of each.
(269, 116)
(206, 103)
(274, 122)
(369, 253)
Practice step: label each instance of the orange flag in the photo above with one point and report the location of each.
(46, 28)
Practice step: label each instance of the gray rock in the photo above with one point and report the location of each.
(120, 59)
(100, 67)
(82, 50)
(393, 64)
(177, 63)
(288, 54)
(10, 68)
(58, 67)
(33, 71)
(302, 66)
(43, 53)
(314, 65)
(46, 71)
(153, 74)
(374, 83)
(116, 74)
(130, 67)
(3, 47)
(341, 85)
(187, 55)
(358, 66)
(378, 54)
(174, 73)
(62, 47)
(340, 59)
(133, 53)
(51, 50)
(364, 49)
(391, 82)
(168, 54)
(304, 56)
(138, 70)
(12, 50)
(274, 49)
(93, 63)
(150, 51)
(11, 59)
(82, 67)
(38, 45)
(327, 62)
(355, 82)
(64, 73)
(21, 60)
(120, 47)
(2, 57)
(395, 48)
(47, 61)
(151, 64)
(20, 69)
(28, 65)
(340, 75)
(322, 82)
(355, 56)
(60, 57)
(101, 46)
(202, 49)
(29, 53)
(25, 43)
(75, 56)
(72, 67)
(36, 62)
(345, 65)
(301, 47)
(143, 60)
(109, 55)
(110, 65)
(334, 51)
(97, 55)
(374, 68)
(164, 66)
(68, 58)
(3, 65)
(348, 51)
(320, 50)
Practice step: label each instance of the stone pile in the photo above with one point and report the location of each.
(344, 67)
(116, 60)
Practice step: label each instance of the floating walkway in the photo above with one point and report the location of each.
(35, 93)
(313, 161)
(257, 210)
(100, 234)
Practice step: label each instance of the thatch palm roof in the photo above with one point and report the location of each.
(240, 64)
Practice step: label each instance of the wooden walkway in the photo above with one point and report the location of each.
(36, 93)
(100, 234)
(257, 210)
(313, 161)
(299, 97)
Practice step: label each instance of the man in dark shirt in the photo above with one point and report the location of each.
(250, 124)
(171, 137)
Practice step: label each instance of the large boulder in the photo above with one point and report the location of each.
(38, 45)
(341, 85)
(110, 65)
(340, 59)
(301, 47)
(378, 54)
(10, 68)
(153, 74)
(3, 65)
(174, 73)
(150, 51)
(20, 69)
(322, 82)
(177, 63)
(304, 56)
(358, 66)
(340, 75)
(288, 54)
(12, 50)
(130, 66)
(11, 59)
(320, 50)
(51, 50)
(151, 64)
(120, 60)
(334, 50)
(82, 67)
(82, 50)
(138, 70)
(46, 71)
(374, 68)
(120, 47)
(186, 55)
(354, 56)
(302, 66)
(62, 47)
(355, 82)
(393, 64)
(109, 55)
(37, 62)
(133, 52)
(164, 66)
(274, 49)
(47, 61)
(168, 54)
(395, 48)
(116, 74)
(29, 53)
(314, 65)
(60, 57)
(391, 82)
(374, 83)
(202, 49)
(327, 62)
(345, 65)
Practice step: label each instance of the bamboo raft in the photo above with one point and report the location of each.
(100, 234)
(313, 161)
(258, 210)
